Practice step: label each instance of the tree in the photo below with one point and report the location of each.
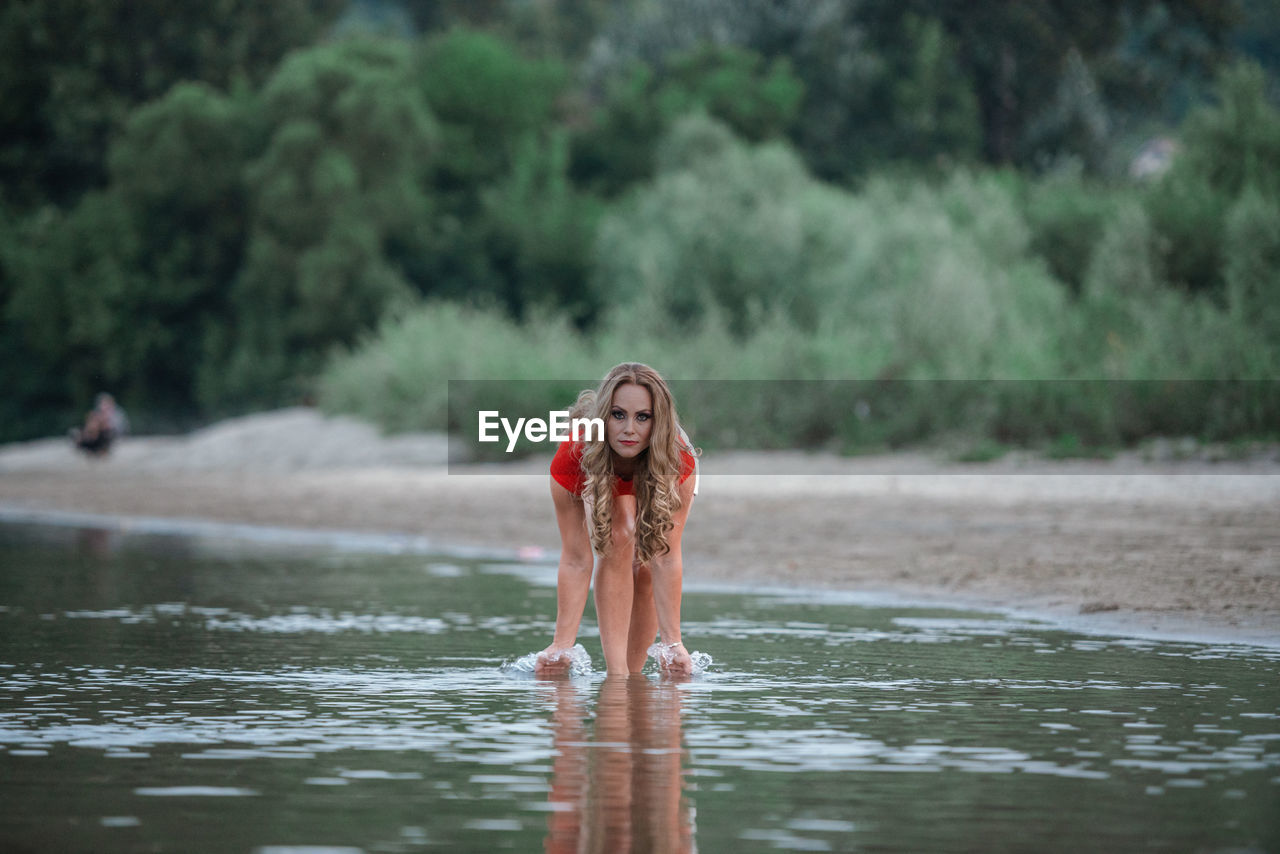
(347, 147)
(757, 98)
(71, 71)
(1229, 149)
(121, 291)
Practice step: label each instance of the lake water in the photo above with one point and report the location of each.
(164, 693)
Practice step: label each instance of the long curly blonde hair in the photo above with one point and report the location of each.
(657, 474)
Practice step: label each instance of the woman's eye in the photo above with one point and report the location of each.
(618, 414)
(643, 416)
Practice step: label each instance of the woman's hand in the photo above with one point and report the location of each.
(673, 659)
(681, 663)
(554, 659)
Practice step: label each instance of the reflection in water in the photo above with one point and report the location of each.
(620, 789)
(168, 696)
(97, 542)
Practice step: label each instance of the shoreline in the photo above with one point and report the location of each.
(1111, 624)
(1175, 550)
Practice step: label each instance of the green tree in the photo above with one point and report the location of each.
(71, 71)
(347, 148)
(1169, 53)
(121, 291)
(1014, 54)
(933, 110)
(510, 226)
(487, 97)
(539, 230)
(1228, 149)
(758, 99)
(239, 238)
(1252, 247)
(924, 282)
(72, 306)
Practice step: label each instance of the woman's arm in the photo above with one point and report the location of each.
(573, 577)
(668, 582)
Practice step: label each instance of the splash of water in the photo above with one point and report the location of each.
(665, 653)
(577, 658)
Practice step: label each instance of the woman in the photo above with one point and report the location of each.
(626, 500)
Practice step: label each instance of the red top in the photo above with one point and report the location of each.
(566, 468)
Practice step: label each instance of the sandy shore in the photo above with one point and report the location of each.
(1171, 549)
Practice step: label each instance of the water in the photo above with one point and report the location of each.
(168, 693)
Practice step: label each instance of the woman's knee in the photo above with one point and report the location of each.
(643, 578)
(624, 522)
(624, 536)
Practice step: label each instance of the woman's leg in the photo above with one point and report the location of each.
(615, 586)
(644, 618)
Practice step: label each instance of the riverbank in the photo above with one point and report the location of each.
(1177, 548)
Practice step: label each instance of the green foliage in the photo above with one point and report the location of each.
(400, 376)
(540, 230)
(1252, 244)
(1067, 216)
(1019, 61)
(1124, 260)
(70, 72)
(1228, 150)
(240, 237)
(79, 304)
(721, 227)
(510, 225)
(1188, 214)
(933, 112)
(195, 222)
(347, 145)
(1235, 144)
(188, 225)
(902, 313)
(487, 98)
(757, 99)
(745, 234)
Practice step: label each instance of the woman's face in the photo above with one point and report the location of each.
(630, 420)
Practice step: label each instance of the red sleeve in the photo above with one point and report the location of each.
(687, 464)
(566, 466)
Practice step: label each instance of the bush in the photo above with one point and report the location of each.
(757, 100)
(1228, 149)
(930, 282)
(1252, 248)
(339, 175)
(742, 230)
(1067, 216)
(399, 377)
(488, 99)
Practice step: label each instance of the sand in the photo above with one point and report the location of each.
(1175, 548)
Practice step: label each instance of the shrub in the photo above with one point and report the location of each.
(399, 376)
(488, 98)
(936, 282)
(340, 176)
(757, 100)
(1252, 248)
(1227, 149)
(1067, 216)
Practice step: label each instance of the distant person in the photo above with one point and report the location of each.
(105, 423)
(626, 500)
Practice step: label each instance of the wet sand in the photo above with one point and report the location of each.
(1180, 549)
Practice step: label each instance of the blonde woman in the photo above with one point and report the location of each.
(624, 501)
